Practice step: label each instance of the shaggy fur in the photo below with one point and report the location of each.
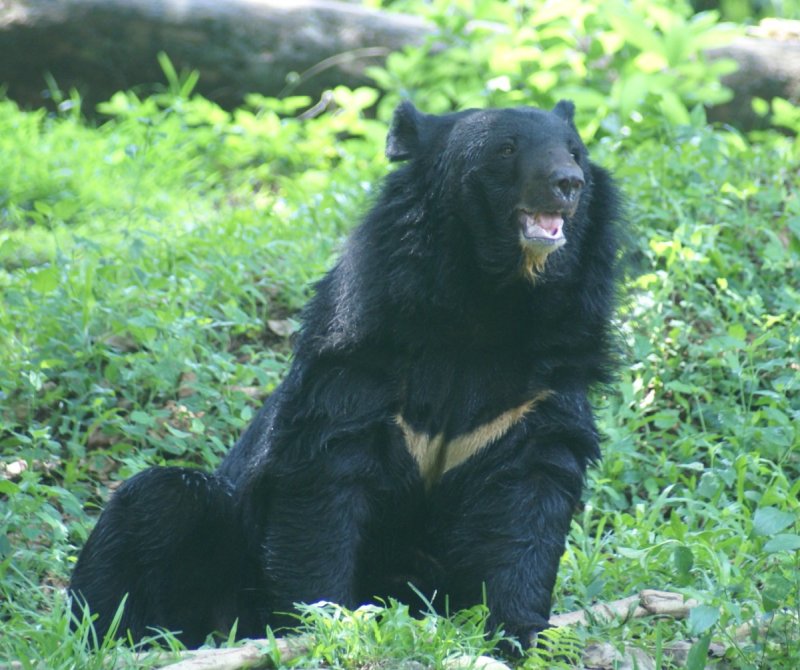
(434, 427)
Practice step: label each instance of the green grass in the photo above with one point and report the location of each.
(151, 264)
(140, 262)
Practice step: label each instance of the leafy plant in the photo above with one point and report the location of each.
(373, 635)
(621, 62)
(152, 265)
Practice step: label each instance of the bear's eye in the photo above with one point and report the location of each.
(576, 155)
(507, 150)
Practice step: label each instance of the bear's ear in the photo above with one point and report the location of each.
(566, 110)
(403, 139)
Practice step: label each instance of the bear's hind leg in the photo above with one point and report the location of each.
(170, 540)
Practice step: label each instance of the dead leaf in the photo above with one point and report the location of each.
(283, 327)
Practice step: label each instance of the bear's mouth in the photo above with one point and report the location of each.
(544, 229)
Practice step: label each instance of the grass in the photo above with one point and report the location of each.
(152, 265)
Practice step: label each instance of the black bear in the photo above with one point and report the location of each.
(434, 427)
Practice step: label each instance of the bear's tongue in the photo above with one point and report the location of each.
(545, 225)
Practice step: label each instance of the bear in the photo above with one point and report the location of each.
(432, 434)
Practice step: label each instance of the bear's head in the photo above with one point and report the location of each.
(512, 180)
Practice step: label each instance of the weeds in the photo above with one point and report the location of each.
(143, 259)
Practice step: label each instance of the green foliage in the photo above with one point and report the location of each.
(375, 636)
(152, 265)
(141, 262)
(49, 643)
(556, 648)
(701, 473)
(620, 61)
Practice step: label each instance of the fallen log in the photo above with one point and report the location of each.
(253, 655)
(237, 46)
(769, 67)
(647, 603)
(261, 654)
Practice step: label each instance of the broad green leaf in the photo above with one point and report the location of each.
(673, 108)
(650, 61)
(776, 591)
(635, 31)
(45, 280)
(43, 208)
(176, 432)
(7, 487)
(782, 542)
(680, 387)
(771, 520)
(676, 45)
(698, 654)
(737, 331)
(630, 93)
(684, 560)
(702, 618)
(138, 416)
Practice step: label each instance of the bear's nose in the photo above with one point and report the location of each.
(567, 182)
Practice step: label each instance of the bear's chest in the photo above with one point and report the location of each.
(454, 406)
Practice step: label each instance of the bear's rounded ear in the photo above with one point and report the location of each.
(402, 142)
(566, 110)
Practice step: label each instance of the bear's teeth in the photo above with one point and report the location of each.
(541, 225)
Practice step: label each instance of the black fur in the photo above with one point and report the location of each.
(436, 325)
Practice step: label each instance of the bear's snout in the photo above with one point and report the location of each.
(567, 182)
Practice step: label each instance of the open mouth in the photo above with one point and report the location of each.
(542, 228)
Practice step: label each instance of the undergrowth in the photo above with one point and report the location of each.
(152, 265)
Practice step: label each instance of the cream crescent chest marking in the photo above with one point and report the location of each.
(435, 456)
